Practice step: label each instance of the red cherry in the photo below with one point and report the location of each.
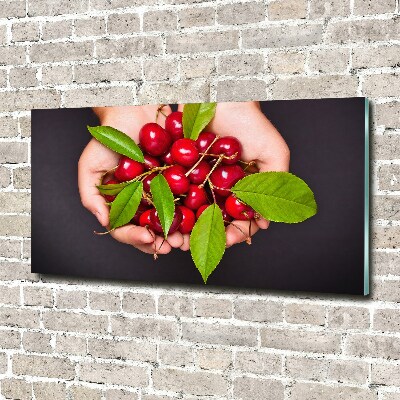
(144, 219)
(199, 174)
(109, 198)
(225, 216)
(151, 162)
(224, 177)
(128, 169)
(156, 224)
(238, 210)
(177, 180)
(195, 198)
(147, 180)
(173, 125)
(204, 140)
(230, 147)
(154, 139)
(167, 158)
(200, 210)
(143, 205)
(184, 152)
(188, 220)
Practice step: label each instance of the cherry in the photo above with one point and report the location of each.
(238, 210)
(155, 223)
(184, 152)
(204, 140)
(224, 177)
(147, 180)
(177, 180)
(151, 162)
(143, 205)
(167, 158)
(195, 198)
(188, 220)
(154, 139)
(144, 219)
(199, 174)
(110, 198)
(136, 217)
(200, 210)
(225, 216)
(173, 125)
(228, 146)
(128, 169)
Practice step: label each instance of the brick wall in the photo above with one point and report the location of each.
(72, 339)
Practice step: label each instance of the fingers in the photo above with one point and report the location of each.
(262, 223)
(175, 240)
(186, 242)
(238, 231)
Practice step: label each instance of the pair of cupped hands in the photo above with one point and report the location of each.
(260, 140)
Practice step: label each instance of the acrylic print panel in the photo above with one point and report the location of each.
(328, 142)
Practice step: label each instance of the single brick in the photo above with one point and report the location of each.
(386, 237)
(10, 248)
(351, 372)
(12, 55)
(385, 374)
(241, 90)
(85, 393)
(10, 295)
(26, 248)
(102, 96)
(389, 177)
(303, 391)
(329, 8)
(382, 85)
(56, 7)
(376, 56)
(390, 396)
(214, 308)
(119, 24)
(321, 86)
(15, 225)
(241, 13)
(28, 99)
(164, 20)
(23, 77)
(257, 362)
(63, 51)
(175, 355)
(16, 389)
(12, 8)
(22, 178)
(194, 383)
(282, 36)
(56, 75)
(190, 17)
(15, 202)
(113, 4)
(73, 345)
(372, 346)
(386, 290)
(386, 207)
(202, 42)
(368, 7)
(305, 314)
(38, 296)
(115, 374)
(214, 359)
(287, 9)
(257, 389)
(11, 271)
(198, 67)
(25, 31)
(25, 126)
(329, 61)
(144, 328)
(10, 339)
(364, 31)
(297, 340)
(75, 299)
(108, 72)
(64, 321)
(8, 126)
(385, 263)
(160, 69)
(139, 303)
(386, 320)
(241, 64)
(388, 114)
(123, 349)
(13, 152)
(49, 390)
(56, 29)
(348, 317)
(120, 394)
(49, 367)
(128, 47)
(105, 301)
(229, 335)
(307, 368)
(5, 177)
(94, 26)
(286, 62)
(258, 310)
(37, 342)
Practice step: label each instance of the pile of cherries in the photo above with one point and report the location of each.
(199, 173)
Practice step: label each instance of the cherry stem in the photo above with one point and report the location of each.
(103, 233)
(202, 156)
(248, 164)
(155, 255)
(107, 172)
(238, 228)
(159, 111)
(220, 157)
(161, 244)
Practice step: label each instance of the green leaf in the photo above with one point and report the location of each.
(277, 196)
(208, 241)
(163, 200)
(196, 117)
(117, 141)
(125, 205)
(112, 189)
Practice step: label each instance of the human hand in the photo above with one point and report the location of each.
(261, 142)
(97, 159)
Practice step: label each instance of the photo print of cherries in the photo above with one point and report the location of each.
(185, 178)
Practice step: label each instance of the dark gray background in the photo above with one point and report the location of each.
(323, 254)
